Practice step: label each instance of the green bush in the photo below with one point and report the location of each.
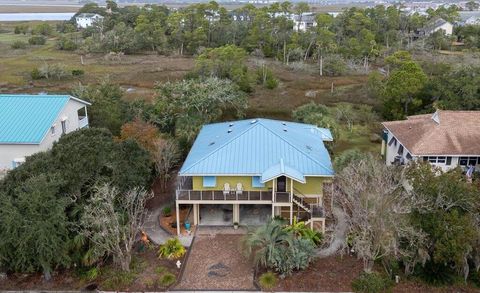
(160, 270)
(37, 40)
(266, 78)
(334, 65)
(78, 72)
(36, 74)
(118, 279)
(172, 249)
(20, 29)
(267, 280)
(167, 279)
(66, 44)
(371, 283)
(54, 71)
(42, 29)
(167, 211)
(19, 45)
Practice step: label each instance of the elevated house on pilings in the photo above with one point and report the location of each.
(249, 171)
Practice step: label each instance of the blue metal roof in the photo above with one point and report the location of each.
(260, 147)
(25, 119)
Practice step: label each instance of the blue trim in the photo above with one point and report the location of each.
(257, 182)
(209, 181)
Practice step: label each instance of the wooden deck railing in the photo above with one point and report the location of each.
(246, 195)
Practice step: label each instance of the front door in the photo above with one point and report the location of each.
(282, 184)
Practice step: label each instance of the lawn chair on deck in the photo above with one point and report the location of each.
(239, 190)
(226, 189)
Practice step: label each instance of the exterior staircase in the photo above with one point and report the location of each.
(315, 212)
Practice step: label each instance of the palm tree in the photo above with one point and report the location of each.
(265, 241)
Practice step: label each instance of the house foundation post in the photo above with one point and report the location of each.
(177, 209)
(291, 214)
(195, 214)
(236, 213)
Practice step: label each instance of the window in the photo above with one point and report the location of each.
(64, 126)
(467, 161)
(209, 181)
(257, 182)
(393, 141)
(400, 150)
(52, 130)
(449, 161)
(438, 160)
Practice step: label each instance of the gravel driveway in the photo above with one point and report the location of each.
(217, 263)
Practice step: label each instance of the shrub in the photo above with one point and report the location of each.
(172, 249)
(167, 211)
(273, 246)
(66, 44)
(167, 279)
(266, 78)
(37, 40)
(19, 45)
(20, 29)
(267, 280)
(119, 279)
(42, 29)
(54, 71)
(371, 283)
(334, 65)
(160, 270)
(78, 72)
(36, 74)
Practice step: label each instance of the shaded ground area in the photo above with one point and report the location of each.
(216, 262)
(331, 274)
(145, 275)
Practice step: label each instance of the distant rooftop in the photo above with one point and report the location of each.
(441, 133)
(260, 147)
(25, 119)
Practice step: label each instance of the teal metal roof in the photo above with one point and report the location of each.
(260, 147)
(25, 119)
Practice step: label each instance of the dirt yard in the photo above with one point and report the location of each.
(217, 263)
(145, 275)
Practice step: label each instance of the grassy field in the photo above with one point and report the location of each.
(138, 75)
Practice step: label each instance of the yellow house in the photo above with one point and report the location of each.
(256, 169)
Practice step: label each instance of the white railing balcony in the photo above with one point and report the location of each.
(245, 195)
(82, 122)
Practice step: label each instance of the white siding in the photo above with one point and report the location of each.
(10, 152)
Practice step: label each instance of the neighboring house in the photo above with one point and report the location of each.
(85, 20)
(446, 139)
(437, 25)
(303, 22)
(31, 123)
(469, 18)
(252, 170)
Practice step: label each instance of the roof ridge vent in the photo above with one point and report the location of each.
(436, 117)
(285, 129)
(229, 130)
(253, 121)
(283, 123)
(230, 125)
(211, 143)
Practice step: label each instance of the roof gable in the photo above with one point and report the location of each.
(25, 119)
(250, 147)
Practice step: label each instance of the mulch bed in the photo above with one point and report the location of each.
(416, 286)
(165, 222)
(217, 263)
(330, 274)
(145, 278)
